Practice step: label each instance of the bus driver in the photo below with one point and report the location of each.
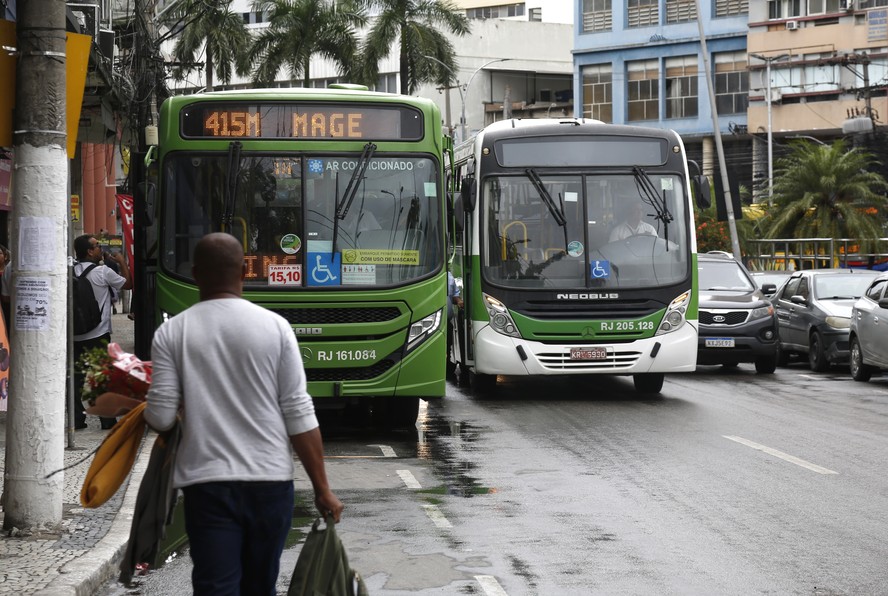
(632, 225)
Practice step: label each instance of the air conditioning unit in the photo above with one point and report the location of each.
(846, 4)
(792, 25)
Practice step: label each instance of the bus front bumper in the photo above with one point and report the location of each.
(499, 354)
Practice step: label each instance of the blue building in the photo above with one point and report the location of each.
(640, 62)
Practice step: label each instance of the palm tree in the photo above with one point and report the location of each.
(211, 26)
(827, 191)
(426, 56)
(299, 29)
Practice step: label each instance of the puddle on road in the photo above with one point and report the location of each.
(443, 443)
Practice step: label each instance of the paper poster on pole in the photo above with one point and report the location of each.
(32, 304)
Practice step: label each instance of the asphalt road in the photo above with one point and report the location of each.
(728, 483)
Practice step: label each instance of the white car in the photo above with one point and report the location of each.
(868, 342)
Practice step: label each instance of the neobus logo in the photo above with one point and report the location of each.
(308, 330)
(613, 296)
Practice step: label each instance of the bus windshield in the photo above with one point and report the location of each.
(625, 230)
(291, 211)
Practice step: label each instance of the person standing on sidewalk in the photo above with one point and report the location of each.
(87, 251)
(233, 373)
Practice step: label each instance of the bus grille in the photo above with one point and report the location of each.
(348, 374)
(560, 361)
(338, 316)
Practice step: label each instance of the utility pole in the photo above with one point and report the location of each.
(35, 422)
(719, 148)
(767, 60)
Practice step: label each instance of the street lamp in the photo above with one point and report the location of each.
(464, 89)
(767, 60)
(466, 92)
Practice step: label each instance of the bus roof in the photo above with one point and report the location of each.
(300, 93)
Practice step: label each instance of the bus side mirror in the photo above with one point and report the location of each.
(701, 190)
(467, 194)
(457, 214)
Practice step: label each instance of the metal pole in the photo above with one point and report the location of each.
(729, 204)
(770, 139)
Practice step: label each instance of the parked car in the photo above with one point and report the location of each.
(737, 323)
(814, 314)
(868, 338)
(770, 281)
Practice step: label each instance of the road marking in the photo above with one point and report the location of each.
(409, 479)
(490, 586)
(784, 456)
(436, 516)
(387, 452)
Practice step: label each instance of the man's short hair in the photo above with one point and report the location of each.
(82, 246)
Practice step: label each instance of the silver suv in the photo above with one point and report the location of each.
(737, 322)
(868, 340)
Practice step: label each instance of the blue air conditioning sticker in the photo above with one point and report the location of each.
(315, 166)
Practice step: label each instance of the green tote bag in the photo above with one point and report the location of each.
(322, 568)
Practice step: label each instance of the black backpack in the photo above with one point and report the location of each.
(86, 311)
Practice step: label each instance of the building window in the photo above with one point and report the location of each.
(597, 15)
(823, 6)
(731, 83)
(820, 76)
(598, 92)
(681, 87)
(496, 12)
(727, 8)
(643, 13)
(872, 3)
(387, 83)
(643, 90)
(535, 14)
(784, 9)
(681, 11)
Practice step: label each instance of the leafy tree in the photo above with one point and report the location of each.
(425, 54)
(210, 26)
(299, 29)
(827, 191)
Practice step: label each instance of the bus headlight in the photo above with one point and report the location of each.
(422, 329)
(675, 314)
(500, 319)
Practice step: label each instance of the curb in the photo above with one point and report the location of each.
(86, 574)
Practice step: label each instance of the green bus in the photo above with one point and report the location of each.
(337, 197)
(558, 276)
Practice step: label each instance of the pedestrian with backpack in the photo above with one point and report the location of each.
(92, 318)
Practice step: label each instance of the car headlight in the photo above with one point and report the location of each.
(500, 319)
(761, 312)
(422, 329)
(675, 314)
(839, 322)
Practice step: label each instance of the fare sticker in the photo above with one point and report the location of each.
(285, 275)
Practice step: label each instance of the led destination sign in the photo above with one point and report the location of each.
(301, 121)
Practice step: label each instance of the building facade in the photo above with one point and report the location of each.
(641, 63)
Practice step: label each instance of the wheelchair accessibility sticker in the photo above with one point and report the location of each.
(323, 269)
(600, 269)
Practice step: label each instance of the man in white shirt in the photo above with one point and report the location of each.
(632, 226)
(87, 252)
(233, 372)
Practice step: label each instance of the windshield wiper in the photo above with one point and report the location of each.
(351, 189)
(557, 210)
(647, 188)
(234, 167)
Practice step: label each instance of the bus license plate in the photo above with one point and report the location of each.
(719, 342)
(588, 354)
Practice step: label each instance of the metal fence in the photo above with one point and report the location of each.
(814, 253)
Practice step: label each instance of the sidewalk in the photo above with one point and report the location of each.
(86, 551)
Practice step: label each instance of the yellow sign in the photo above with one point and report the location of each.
(380, 257)
(77, 48)
(75, 207)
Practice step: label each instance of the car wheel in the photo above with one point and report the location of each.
(816, 358)
(859, 371)
(648, 382)
(766, 365)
